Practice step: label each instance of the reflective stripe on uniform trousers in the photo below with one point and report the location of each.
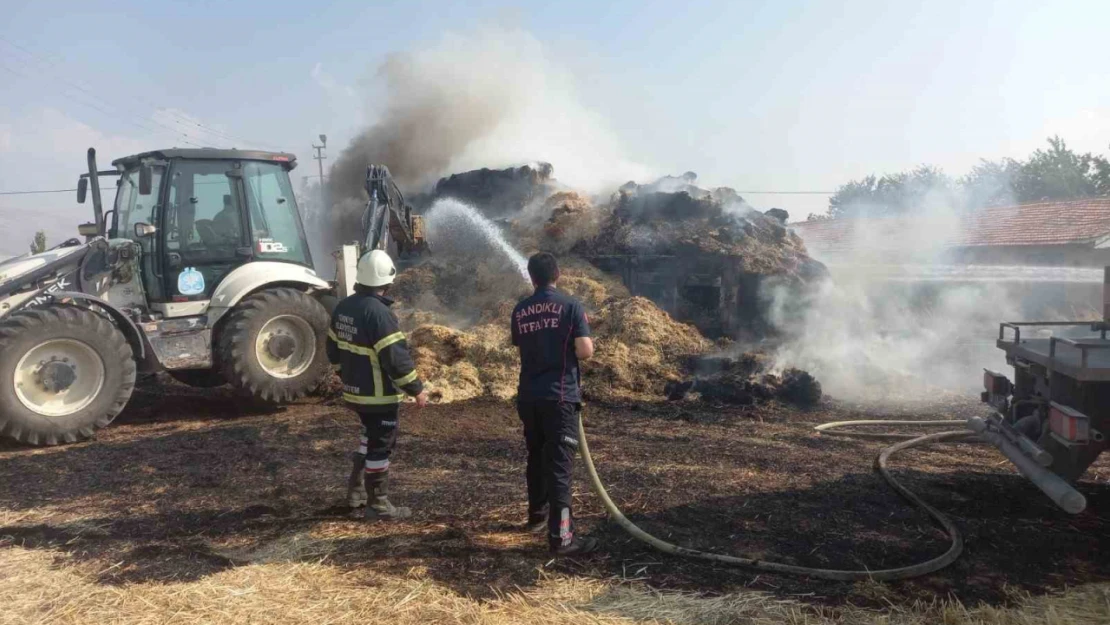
(377, 466)
(363, 441)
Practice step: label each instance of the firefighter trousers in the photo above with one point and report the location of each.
(379, 437)
(551, 436)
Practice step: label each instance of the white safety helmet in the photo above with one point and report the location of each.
(375, 269)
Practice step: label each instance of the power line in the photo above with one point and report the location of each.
(37, 192)
(183, 119)
(77, 86)
(137, 124)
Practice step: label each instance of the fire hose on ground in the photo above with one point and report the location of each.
(974, 429)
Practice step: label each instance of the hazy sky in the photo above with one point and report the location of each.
(755, 95)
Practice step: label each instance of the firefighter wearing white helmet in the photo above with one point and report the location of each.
(375, 269)
(366, 344)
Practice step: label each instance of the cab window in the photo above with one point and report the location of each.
(276, 229)
(132, 208)
(204, 230)
(203, 222)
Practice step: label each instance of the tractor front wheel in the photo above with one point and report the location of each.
(64, 373)
(273, 345)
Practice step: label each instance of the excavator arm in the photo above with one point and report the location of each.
(388, 219)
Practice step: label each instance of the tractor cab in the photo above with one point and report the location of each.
(197, 215)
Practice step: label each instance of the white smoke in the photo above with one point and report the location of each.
(901, 318)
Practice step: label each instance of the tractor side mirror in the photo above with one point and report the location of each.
(146, 180)
(82, 190)
(143, 230)
(88, 230)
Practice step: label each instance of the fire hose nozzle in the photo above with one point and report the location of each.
(977, 425)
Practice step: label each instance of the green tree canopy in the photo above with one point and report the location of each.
(1056, 173)
(893, 193)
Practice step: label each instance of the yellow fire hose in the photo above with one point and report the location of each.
(923, 568)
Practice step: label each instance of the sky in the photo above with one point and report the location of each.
(759, 96)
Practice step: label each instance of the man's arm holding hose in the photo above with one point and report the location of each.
(583, 344)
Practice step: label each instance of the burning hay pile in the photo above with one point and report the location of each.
(642, 353)
(456, 305)
(639, 347)
(460, 365)
(674, 217)
(498, 192)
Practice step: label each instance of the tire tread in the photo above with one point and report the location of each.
(120, 355)
(235, 344)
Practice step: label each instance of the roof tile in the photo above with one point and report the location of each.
(1044, 223)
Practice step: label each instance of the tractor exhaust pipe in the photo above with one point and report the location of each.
(1052, 485)
(94, 181)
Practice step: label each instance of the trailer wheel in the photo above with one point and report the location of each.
(273, 345)
(64, 373)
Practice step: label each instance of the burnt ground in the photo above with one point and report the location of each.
(187, 483)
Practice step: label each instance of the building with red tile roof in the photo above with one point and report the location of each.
(1075, 233)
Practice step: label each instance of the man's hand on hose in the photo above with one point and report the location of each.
(422, 399)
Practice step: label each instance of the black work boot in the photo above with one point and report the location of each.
(577, 547)
(379, 507)
(356, 492)
(562, 540)
(537, 521)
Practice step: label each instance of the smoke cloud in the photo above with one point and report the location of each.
(902, 318)
(490, 98)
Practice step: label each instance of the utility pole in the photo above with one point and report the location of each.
(320, 156)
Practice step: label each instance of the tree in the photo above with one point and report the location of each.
(1101, 175)
(38, 244)
(1055, 173)
(892, 194)
(990, 183)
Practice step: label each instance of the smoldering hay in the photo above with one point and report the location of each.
(455, 306)
(638, 346)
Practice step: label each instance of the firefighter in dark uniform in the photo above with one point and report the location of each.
(553, 333)
(367, 345)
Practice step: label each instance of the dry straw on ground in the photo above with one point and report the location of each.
(42, 587)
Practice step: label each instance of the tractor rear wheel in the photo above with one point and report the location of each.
(65, 372)
(273, 345)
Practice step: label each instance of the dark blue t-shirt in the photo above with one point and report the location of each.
(544, 328)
